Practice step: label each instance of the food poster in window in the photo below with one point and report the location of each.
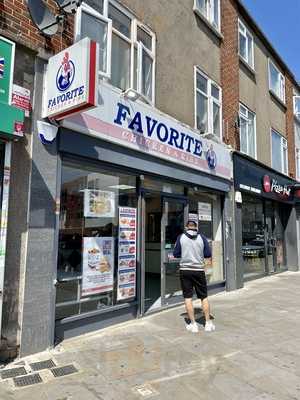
(127, 253)
(98, 265)
(99, 203)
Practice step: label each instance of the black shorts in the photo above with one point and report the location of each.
(193, 280)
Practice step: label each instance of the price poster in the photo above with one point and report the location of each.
(98, 265)
(127, 253)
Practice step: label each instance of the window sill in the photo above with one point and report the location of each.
(208, 24)
(277, 99)
(245, 64)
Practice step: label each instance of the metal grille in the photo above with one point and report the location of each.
(13, 372)
(27, 380)
(38, 366)
(62, 371)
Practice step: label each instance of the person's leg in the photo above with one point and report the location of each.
(190, 309)
(205, 308)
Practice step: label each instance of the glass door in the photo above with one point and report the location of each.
(174, 216)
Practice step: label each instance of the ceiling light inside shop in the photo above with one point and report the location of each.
(121, 187)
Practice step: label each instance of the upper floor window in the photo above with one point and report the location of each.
(126, 46)
(208, 105)
(246, 46)
(209, 9)
(297, 107)
(279, 152)
(276, 81)
(247, 131)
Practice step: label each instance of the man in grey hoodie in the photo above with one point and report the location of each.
(193, 248)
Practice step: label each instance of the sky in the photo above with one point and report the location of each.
(280, 22)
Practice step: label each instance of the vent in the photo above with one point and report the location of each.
(27, 380)
(38, 366)
(13, 372)
(62, 371)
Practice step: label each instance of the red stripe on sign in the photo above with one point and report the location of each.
(93, 74)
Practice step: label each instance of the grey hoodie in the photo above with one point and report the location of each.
(192, 248)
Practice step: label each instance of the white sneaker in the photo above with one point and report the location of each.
(209, 326)
(192, 327)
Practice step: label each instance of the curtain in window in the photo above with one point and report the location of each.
(202, 5)
(216, 13)
(243, 46)
(147, 64)
(251, 135)
(120, 63)
(216, 120)
(275, 80)
(243, 135)
(202, 112)
(276, 151)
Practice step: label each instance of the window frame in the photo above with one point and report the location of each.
(132, 40)
(283, 145)
(297, 115)
(244, 34)
(209, 16)
(297, 158)
(246, 116)
(282, 81)
(211, 101)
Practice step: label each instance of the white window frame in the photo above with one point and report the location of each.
(283, 145)
(211, 101)
(280, 96)
(89, 10)
(297, 115)
(297, 158)
(132, 40)
(246, 117)
(209, 16)
(244, 31)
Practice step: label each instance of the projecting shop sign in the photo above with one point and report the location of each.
(71, 80)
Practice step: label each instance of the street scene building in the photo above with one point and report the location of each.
(129, 118)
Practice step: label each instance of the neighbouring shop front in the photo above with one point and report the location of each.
(265, 218)
(130, 178)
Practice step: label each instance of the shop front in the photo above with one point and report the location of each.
(130, 177)
(265, 210)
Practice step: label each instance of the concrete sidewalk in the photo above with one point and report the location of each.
(253, 355)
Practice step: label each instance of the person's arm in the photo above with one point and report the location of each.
(207, 249)
(177, 248)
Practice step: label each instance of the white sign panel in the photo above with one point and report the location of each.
(98, 265)
(204, 211)
(71, 80)
(144, 128)
(99, 203)
(21, 99)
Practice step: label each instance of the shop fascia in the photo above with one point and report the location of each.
(141, 127)
(272, 185)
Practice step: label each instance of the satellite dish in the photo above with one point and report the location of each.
(68, 6)
(42, 17)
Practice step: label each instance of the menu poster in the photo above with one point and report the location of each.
(127, 253)
(98, 265)
(99, 203)
(204, 211)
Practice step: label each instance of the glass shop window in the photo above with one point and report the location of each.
(205, 208)
(97, 239)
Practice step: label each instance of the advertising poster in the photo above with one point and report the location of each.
(204, 211)
(98, 265)
(99, 203)
(21, 99)
(127, 253)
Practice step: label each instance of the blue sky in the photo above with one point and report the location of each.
(280, 21)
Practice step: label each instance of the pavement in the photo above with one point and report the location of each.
(254, 354)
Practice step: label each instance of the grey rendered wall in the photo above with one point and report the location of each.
(38, 302)
(254, 93)
(183, 40)
(17, 214)
(291, 241)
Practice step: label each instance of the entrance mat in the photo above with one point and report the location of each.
(13, 372)
(27, 380)
(62, 371)
(40, 365)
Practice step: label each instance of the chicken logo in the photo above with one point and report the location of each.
(65, 73)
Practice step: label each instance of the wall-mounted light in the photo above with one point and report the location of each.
(131, 94)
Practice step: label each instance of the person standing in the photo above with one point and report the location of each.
(192, 248)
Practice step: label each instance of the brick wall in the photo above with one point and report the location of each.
(290, 134)
(230, 72)
(16, 24)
